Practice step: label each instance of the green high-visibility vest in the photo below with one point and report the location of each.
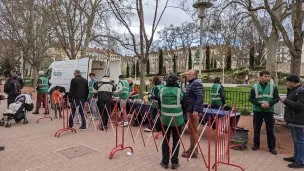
(215, 94)
(131, 89)
(159, 88)
(91, 88)
(171, 98)
(125, 89)
(263, 96)
(44, 86)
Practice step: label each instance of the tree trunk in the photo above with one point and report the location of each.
(142, 78)
(35, 76)
(88, 35)
(271, 62)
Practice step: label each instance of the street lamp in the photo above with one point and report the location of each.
(201, 5)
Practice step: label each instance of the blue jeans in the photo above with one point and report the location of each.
(298, 140)
(93, 106)
(74, 104)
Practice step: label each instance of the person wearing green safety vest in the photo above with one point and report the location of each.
(92, 96)
(155, 105)
(263, 97)
(173, 105)
(217, 94)
(133, 89)
(42, 92)
(123, 94)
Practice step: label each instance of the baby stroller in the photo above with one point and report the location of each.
(17, 110)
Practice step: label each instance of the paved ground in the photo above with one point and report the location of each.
(33, 147)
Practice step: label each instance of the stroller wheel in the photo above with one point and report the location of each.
(25, 121)
(7, 125)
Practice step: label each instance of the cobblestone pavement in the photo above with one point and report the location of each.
(33, 147)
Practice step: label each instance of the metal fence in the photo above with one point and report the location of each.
(240, 98)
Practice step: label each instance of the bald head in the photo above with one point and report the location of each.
(191, 74)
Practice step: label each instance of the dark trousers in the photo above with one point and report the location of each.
(258, 118)
(153, 115)
(11, 99)
(105, 111)
(40, 98)
(165, 147)
(74, 104)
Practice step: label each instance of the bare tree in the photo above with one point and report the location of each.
(120, 9)
(69, 24)
(29, 30)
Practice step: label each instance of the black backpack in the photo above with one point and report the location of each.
(15, 88)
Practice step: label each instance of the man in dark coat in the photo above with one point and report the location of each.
(294, 117)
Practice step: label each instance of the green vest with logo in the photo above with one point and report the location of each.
(263, 96)
(131, 89)
(215, 94)
(44, 86)
(125, 89)
(159, 88)
(91, 88)
(170, 98)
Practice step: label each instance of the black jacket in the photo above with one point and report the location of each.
(12, 87)
(79, 88)
(195, 96)
(20, 80)
(104, 89)
(294, 109)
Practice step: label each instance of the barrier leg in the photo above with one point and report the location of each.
(46, 105)
(67, 128)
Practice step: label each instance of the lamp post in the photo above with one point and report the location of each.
(201, 5)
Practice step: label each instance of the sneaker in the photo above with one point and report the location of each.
(255, 148)
(147, 130)
(78, 122)
(273, 151)
(289, 159)
(163, 165)
(36, 113)
(296, 165)
(174, 165)
(83, 128)
(2, 148)
(188, 153)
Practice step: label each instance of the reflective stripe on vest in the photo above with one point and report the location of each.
(257, 96)
(172, 114)
(177, 101)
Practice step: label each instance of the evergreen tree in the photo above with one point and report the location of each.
(133, 69)
(251, 57)
(211, 64)
(228, 59)
(174, 64)
(128, 70)
(137, 68)
(160, 62)
(207, 57)
(148, 67)
(189, 59)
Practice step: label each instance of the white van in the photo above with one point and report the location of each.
(60, 73)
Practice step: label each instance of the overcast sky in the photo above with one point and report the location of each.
(171, 16)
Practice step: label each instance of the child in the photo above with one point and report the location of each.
(56, 101)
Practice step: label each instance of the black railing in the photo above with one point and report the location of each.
(241, 99)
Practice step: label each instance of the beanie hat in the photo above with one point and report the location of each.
(293, 78)
(172, 78)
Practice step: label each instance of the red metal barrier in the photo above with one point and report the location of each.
(46, 110)
(222, 142)
(65, 127)
(119, 147)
